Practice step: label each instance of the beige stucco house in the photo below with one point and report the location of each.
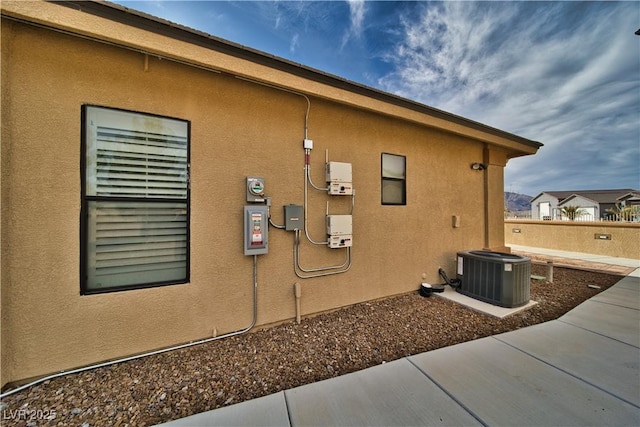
(127, 144)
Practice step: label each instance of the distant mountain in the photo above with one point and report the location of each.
(516, 202)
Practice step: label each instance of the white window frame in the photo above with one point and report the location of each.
(393, 187)
(135, 200)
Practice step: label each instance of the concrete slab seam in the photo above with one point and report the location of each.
(613, 304)
(634, 404)
(445, 391)
(286, 405)
(595, 332)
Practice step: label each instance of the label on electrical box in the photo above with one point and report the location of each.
(340, 189)
(256, 233)
(336, 242)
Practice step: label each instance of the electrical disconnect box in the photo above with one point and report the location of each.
(339, 179)
(293, 217)
(255, 189)
(256, 230)
(339, 231)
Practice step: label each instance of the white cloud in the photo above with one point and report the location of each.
(565, 74)
(357, 10)
(294, 43)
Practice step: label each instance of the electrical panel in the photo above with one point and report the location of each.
(255, 189)
(340, 231)
(256, 230)
(293, 217)
(339, 178)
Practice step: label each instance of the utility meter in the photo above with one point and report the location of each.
(255, 189)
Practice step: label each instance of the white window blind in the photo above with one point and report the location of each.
(137, 187)
(136, 243)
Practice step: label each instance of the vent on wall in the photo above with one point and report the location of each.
(494, 277)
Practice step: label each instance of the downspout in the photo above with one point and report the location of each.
(151, 353)
(485, 191)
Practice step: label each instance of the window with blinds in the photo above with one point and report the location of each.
(135, 200)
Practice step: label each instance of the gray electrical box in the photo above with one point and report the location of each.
(293, 217)
(255, 189)
(256, 230)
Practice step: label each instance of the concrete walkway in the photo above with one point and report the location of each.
(613, 265)
(581, 369)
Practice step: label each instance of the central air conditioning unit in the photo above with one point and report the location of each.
(497, 278)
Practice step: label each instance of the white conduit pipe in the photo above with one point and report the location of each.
(307, 151)
(305, 203)
(306, 116)
(307, 176)
(313, 270)
(308, 167)
(324, 271)
(147, 54)
(151, 353)
(255, 291)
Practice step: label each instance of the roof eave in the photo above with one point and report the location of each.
(514, 145)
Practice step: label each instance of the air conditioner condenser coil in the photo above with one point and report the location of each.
(498, 278)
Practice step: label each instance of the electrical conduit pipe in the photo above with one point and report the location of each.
(151, 353)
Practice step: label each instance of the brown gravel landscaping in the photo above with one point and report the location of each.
(176, 384)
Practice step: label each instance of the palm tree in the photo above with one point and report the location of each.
(572, 212)
(625, 213)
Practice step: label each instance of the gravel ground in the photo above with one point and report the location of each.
(173, 385)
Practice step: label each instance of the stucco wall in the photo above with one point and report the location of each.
(576, 236)
(238, 129)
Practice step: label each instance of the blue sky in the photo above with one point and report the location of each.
(566, 74)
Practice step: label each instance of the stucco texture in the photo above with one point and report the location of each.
(238, 129)
(623, 238)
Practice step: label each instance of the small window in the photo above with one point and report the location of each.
(135, 200)
(394, 188)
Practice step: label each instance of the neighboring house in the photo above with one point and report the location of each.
(630, 199)
(131, 146)
(594, 204)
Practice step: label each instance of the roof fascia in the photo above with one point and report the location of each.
(574, 196)
(152, 36)
(539, 195)
(629, 196)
